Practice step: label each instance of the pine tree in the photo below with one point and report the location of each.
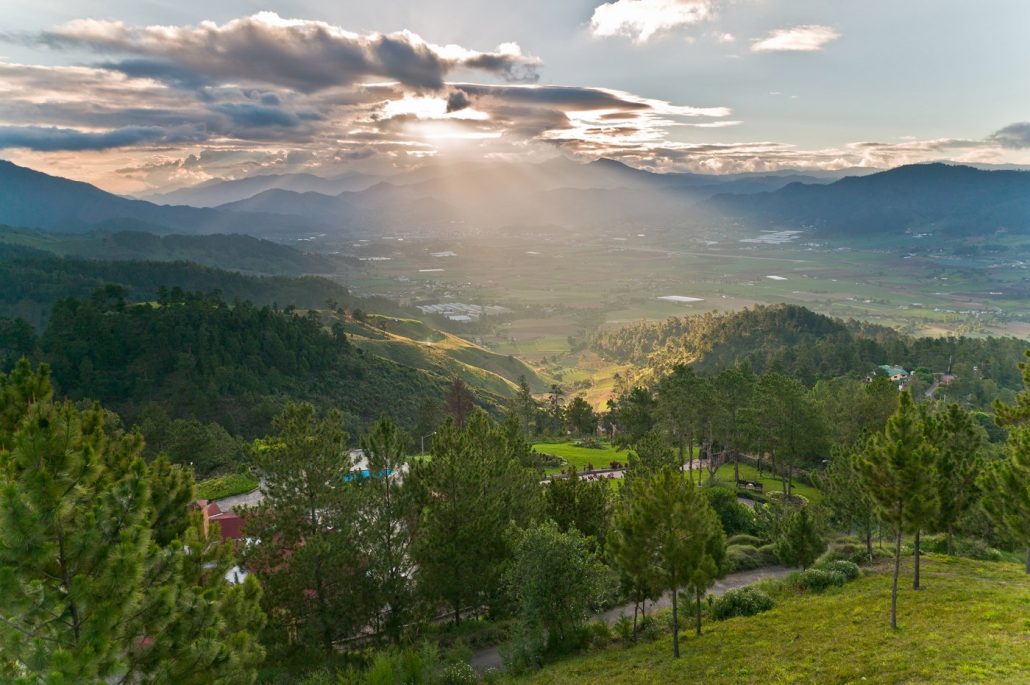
(959, 444)
(845, 494)
(1007, 484)
(800, 541)
(314, 575)
(650, 455)
(666, 535)
(577, 504)
(104, 576)
(386, 523)
(470, 492)
(897, 471)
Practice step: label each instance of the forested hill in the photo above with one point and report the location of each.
(32, 281)
(198, 357)
(811, 346)
(235, 252)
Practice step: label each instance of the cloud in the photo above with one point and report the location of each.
(42, 138)
(250, 114)
(1014, 136)
(457, 100)
(640, 20)
(306, 56)
(805, 38)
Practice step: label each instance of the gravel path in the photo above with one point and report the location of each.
(490, 658)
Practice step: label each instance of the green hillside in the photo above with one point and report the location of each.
(969, 625)
(412, 343)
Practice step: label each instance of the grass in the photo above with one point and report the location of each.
(581, 456)
(226, 486)
(769, 482)
(970, 625)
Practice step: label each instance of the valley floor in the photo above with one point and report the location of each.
(971, 624)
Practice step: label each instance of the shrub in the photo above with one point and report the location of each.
(963, 547)
(769, 556)
(623, 628)
(734, 516)
(743, 557)
(598, 634)
(848, 569)
(745, 601)
(815, 580)
(649, 628)
(745, 539)
(459, 674)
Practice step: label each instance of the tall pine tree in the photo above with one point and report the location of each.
(897, 471)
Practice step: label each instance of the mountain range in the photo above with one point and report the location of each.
(950, 199)
(466, 196)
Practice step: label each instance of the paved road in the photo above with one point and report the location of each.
(247, 499)
(490, 658)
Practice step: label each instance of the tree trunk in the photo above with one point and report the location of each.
(681, 454)
(736, 466)
(951, 548)
(457, 614)
(698, 612)
(915, 577)
(636, 605)
(894, 585)
(869, 543)
(675, 626)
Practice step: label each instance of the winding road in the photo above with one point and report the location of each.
(490, 658)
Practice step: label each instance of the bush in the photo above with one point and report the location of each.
(459, 674)
(649, 628)
(598, 634)
(963, 547)
(743, 557)
(734, 516)
(848, 569)
(843, 551)
(623, 628)
(745, 601)
(815, 580)
(745, 539)
(769, 555)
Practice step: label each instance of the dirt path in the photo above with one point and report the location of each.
(490, 658)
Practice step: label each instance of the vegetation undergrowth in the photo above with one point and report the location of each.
(968, 625)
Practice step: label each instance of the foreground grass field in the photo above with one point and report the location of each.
(970, 625)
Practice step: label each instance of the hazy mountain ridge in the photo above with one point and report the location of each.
(951, 198)
(32, 199)
(219, 191)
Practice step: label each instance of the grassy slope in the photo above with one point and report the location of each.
(971, 624)
(581, 456)
(226, 485)
(769, 482)
(414, 344)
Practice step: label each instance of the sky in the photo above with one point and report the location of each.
(154, 94)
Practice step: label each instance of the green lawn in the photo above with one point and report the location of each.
(971, 624)
(581, 456)
(226, 485)
(770, 483)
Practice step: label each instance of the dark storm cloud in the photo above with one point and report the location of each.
(50, 139)
(306, 56)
